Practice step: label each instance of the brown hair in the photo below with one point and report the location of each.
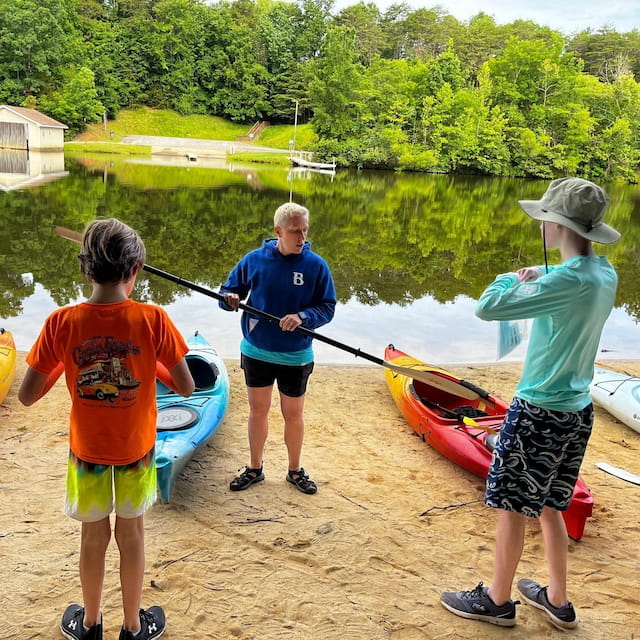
(110, 252)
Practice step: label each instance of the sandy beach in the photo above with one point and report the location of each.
(393, 524)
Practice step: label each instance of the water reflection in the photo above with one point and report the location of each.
(409, 253)
(20, 168)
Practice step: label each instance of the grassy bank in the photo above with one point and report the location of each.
(260, 157)
(280, 135)
(163, 122)
(107, 147)
(144, 121)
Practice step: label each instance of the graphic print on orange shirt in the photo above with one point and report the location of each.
(103, 373)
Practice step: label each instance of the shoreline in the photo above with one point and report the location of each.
(392, 526)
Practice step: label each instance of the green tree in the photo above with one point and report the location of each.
(177, 38)
(333, 91)
(607, 52)
(527, 72)
(233, 80)
(394, 26)
(481, 40)
(616, 145)
(103, 56)
(428, 32)
(38, 39)
(134, 49)
(76, 102)
(444, 68)
(315, 17)
(364, 19)
(466, 133)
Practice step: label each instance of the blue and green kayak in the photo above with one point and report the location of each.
(185, 424)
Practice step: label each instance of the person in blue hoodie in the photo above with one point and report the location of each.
(287, 279)
(544, 435)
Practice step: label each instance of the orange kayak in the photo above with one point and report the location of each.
(7, 362)
(461, 421)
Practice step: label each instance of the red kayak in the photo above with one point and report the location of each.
(461, 421)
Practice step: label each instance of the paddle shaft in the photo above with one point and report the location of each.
(74, 236)
(463, 388)
(468, 390)
(262, 314)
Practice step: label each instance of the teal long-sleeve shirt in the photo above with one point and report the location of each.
(569, 306)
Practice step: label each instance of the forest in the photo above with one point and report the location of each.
(405, 89)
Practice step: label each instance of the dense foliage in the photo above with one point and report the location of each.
(389, 237)
(407, 89)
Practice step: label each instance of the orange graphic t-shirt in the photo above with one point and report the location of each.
(109, 353)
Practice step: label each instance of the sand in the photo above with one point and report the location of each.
(360, 560)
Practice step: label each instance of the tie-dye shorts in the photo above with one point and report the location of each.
(94, 489)
(537, 458)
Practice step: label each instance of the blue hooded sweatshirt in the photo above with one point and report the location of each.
(281, 285)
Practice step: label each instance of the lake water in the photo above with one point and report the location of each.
(410, 253)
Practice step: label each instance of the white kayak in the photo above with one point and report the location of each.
(619, 394)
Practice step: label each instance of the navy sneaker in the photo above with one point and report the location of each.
(152, 625)
(562, 617)
(477, 605)
(72, 626)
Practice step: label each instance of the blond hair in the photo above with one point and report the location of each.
(289, 210)
(111, 251)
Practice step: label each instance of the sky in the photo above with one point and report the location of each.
(567, 16)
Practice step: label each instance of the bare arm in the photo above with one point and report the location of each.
(182, 379)
(36, 384)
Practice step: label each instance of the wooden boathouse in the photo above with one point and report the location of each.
(22, 128)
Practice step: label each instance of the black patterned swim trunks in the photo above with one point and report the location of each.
(537, 458)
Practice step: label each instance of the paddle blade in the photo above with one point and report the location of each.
(432, 379)
(619, 473)
(470, 422)
(68, 234)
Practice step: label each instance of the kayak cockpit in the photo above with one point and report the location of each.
(204, 375)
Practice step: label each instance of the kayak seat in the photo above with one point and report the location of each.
(470, 412)
(204, 373)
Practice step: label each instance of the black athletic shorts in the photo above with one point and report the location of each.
(292, 380)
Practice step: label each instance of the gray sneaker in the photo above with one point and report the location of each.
(562, 617)
(477, 605)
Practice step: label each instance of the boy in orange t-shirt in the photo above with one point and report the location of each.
(108, 348)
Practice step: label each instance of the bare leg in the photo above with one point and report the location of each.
(509, 545)
(93, 548)
(130, 539)
(292, 411)
(554, 532)
(259, 405)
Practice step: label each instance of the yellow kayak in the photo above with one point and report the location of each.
(7, 362)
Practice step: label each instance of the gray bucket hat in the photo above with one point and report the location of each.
(576, 204)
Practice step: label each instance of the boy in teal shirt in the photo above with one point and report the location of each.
(542, 441)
